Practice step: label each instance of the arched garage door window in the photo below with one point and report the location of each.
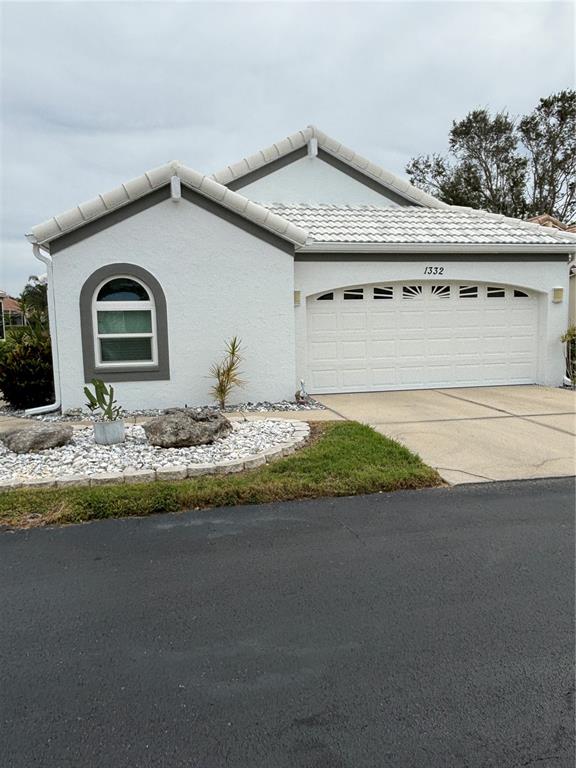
(124, 325)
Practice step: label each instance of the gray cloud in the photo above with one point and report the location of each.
(93, 94)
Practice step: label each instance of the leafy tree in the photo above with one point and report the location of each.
(34, 300)
(518, 167)
(26, 377)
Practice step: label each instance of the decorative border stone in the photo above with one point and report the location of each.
(172, 473)
(139, 475)
(130, 476)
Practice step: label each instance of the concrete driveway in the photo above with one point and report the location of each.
(475, 434)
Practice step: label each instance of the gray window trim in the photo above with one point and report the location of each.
(156, 372)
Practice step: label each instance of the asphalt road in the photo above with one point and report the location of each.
(430, 628)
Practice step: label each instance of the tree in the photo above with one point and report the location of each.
(26, 376)
(34, 300)
(518, 167)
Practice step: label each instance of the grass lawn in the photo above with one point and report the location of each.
(342, 459)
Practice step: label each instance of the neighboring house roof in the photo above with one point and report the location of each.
(334, 148)
(545, 220)
(10, 304)
(371, 226)
(154, 179)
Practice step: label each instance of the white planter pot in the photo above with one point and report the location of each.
(109, 432)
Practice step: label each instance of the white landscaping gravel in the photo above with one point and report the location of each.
(82, 456)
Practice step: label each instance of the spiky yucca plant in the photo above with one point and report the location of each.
(226, 373)
(569, 339)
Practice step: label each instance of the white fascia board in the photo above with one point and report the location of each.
(436, 248)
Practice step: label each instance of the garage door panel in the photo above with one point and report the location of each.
(495, 345)
(443, 346)
(468, 319)
(354, 378)
(424, 339)
(382, 320)
(384, 377)
(380, 348)
(413, 320)
(325, 379)
(411, 347)
(410, 374)
(353, 321)
(440, 320)
(323, 321)
(352, 350)
(324, 350)
(439, 374)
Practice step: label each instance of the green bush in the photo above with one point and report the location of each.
(26, 377)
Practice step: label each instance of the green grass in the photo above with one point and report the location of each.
(342, 459)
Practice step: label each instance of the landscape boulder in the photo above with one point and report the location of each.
(184, 427)
(37, 438)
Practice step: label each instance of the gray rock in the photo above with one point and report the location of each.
(34, 439)
(184, 427)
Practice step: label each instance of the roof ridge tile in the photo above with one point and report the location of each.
(134, 189)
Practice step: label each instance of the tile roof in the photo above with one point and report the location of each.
(154, 179)
(336, 149)
(550, 221)
(372, 225)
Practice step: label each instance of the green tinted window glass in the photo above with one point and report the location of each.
(122, 289)
(139, 321)
(120, 350)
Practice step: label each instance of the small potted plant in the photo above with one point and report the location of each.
(108, 426)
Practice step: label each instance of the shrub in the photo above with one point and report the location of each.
(569, 339)
(26, 377)
(227, 373)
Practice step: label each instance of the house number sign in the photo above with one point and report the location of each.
(433, 270)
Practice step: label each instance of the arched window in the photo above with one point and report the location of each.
(124, 322)
(124, 325)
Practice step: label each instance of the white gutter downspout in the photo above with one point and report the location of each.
(47, 260)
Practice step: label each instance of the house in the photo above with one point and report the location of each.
(330, 269)
(10, 313)
(550, 221)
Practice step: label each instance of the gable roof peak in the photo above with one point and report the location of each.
(299, 140)
(152, 180)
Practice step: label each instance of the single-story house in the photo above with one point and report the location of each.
(331, 270)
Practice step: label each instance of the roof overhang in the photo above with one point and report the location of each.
(438, 248)
(152, 181)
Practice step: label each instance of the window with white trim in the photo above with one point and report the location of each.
(124, 323)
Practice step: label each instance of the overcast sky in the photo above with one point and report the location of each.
(95, 93)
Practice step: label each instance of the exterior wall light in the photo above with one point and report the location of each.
(557, 295)
(296, 298)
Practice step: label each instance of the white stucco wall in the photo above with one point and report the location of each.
(311, 180)
(219, 281)
(542, 276)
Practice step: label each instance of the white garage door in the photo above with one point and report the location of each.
(405, 336)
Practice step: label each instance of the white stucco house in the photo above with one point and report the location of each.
(330, 269)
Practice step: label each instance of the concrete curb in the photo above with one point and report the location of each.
(168, 474)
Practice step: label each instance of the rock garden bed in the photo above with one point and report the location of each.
(79, 414)
(83, 462)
